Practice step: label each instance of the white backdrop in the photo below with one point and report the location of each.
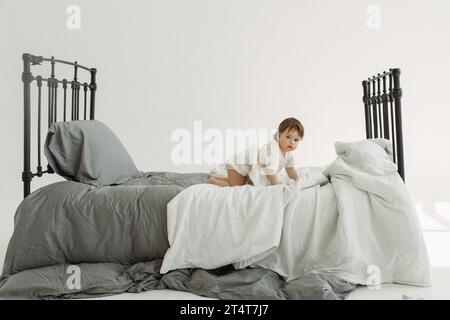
(238, 64)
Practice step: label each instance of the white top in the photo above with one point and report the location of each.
(270, 160)
(258, 163)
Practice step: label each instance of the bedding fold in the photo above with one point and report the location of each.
(210, 226)
(105, 279)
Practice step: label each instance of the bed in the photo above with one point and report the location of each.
(111, 228)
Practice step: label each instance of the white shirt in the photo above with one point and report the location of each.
(270, 161)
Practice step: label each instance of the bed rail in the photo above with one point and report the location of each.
(52, 114)
(383, 112)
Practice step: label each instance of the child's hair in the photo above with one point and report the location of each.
(291, 123)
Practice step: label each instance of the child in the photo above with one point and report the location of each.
(268, 162)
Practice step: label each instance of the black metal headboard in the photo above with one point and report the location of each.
(52, 84)
(383, 112)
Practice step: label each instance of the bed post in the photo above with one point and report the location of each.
(384, 100)
(93, 88)
(27, 77)
(366, 101)
(373, 100)
(397, 92)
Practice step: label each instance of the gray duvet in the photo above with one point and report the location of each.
(73, 240)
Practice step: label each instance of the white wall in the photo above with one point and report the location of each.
(236, 64)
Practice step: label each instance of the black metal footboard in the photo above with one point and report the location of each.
(383, 112)
(53, 111)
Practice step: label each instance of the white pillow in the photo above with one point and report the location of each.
(372, 156)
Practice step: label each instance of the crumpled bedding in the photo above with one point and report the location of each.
(73, 240)
(363, 220)
(105, 279)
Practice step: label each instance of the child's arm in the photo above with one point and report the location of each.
(273, 179)
(292, 173)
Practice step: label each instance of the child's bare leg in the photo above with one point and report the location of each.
(218, 182)
(235, 179)
(218, 177)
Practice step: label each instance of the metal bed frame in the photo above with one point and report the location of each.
(382, 108)
(383, 112)
(52, 84)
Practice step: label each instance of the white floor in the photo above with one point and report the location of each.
(439, 291)
(436, 229)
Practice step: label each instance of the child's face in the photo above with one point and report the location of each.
(289, 140)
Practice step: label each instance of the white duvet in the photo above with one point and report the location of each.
(361, 227)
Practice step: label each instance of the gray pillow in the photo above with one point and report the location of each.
(89, 152)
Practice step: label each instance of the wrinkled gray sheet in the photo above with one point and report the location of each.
(104, 279)
(117, 237)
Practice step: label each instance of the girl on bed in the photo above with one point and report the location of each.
(261, 168)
